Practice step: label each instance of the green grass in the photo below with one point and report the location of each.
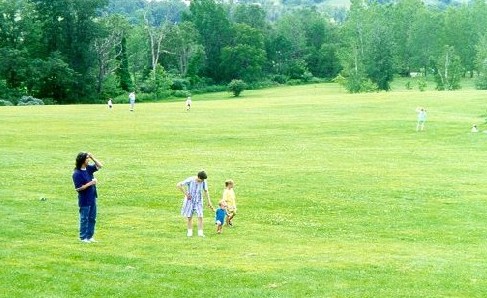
(338, 196)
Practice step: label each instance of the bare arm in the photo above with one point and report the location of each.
(207, 195)
(180, 186)
(98, 164)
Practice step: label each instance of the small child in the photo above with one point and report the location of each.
(474, 128)
(421, 118)
(220, 215)
(229, 198)
(110, 103)
(188, 103)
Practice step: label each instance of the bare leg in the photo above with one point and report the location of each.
(190, 226)
(200, 226)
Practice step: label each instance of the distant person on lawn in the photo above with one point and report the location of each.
(188, 103)
(132, 101)
(194, 188)
(85, 184)
(421, 119)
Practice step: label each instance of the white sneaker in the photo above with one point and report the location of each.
(92, 240)
(85, 240)
(190, 233)
(200, 234)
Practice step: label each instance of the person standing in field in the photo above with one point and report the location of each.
(110, 103)
(421, 119)
(194, 188)
(85, 184)
(132, 100)
(220, 215)
(188, 103)
(229, 199)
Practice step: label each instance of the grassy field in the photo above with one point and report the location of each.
(338, 196)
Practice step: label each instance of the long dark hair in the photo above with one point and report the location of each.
(80, 160)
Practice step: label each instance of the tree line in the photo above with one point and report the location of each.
(85, 51)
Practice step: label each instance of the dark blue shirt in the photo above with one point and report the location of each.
(88, 196)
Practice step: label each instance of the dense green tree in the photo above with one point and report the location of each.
(287, 48)
(138, 54)
(320, 52)
(379, 47)
(53, 78)
(481, 63)
(69, 27)
(251, 14)
(404, 15)
(449, 70)
(123, 67)
(186, 53)
(352, 53)
(19, 41)
(461, 34)
(425, 42)
(244, 58)
(213, 25)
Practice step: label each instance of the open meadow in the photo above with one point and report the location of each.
(337, 194)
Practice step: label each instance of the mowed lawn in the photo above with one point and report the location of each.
(338, 196)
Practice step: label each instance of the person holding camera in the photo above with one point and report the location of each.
(85, 184)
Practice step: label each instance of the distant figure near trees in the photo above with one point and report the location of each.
(188, 103)
(421, 118)
(474, 128)
(132, 101)
(110, 103)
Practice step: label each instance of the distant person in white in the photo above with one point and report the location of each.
(188, 103)
(421, 119)
(132, 101)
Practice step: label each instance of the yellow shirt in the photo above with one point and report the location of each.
(229, 198)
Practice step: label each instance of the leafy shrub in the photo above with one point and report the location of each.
(307, 76)
(281, 79)
(181, 93)
(214, 88)
(294, 82)
(49, 101)
(422, 84)
(356, 83)
(261, 84)
(29, 101)
(481, 82)
(180, 84)
(5, 103)
(368, 86)
(236, 87)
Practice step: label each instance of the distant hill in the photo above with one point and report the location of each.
(346, 3)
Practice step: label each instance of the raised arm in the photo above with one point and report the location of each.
(98, 164)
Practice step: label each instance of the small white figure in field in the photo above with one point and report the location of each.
(110, 103)
(188, 103)
(474, 128)
(421, 118)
